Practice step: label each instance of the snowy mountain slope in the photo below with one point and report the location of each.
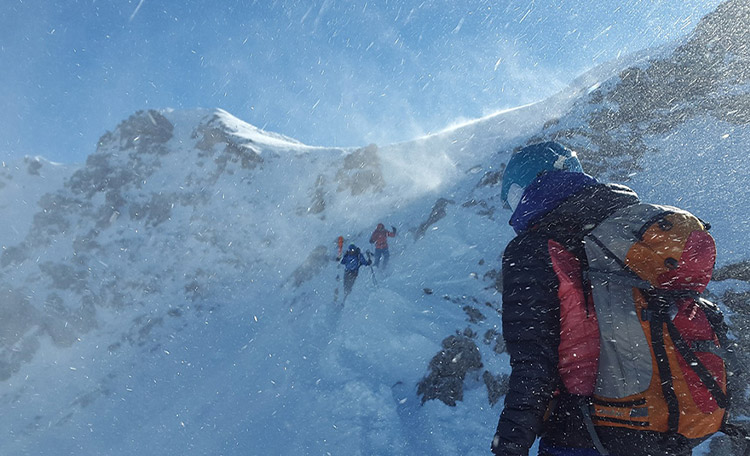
(693, 98)
(21, 186)
(137, 249)
(175, 294)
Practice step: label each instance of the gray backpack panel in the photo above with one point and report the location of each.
(625, 360)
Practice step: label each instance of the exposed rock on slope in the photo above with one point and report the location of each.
(707, 75)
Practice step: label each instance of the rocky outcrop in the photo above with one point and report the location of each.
(437, 213)
(216, 142)
(448, 368)
(736, 271)
(361, 172)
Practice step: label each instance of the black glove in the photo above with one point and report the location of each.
(394, 229)
(371, 241)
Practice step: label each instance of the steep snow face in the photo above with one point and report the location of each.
(178, 293)
(707, 176)
(251, 134)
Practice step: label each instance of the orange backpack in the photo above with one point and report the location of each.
(660, 363)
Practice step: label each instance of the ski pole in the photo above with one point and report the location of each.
(374, 282)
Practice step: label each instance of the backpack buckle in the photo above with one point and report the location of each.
(659, 314)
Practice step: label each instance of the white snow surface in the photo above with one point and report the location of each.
(703, 167)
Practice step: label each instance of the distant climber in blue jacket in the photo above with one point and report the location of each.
(352, 261)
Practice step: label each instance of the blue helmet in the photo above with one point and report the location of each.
(530, 162)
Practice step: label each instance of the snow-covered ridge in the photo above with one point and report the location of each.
(253, 134)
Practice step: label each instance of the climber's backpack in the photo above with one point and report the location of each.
(351, 260)
(660, 360)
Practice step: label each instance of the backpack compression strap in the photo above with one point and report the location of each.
(697, 366)
(662, 300)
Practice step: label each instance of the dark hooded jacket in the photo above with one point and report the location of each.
(561, 206)
(353, 260)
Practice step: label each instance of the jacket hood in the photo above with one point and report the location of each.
(546, 193)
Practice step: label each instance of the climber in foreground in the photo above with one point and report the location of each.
(352, 261)
(380, 237)
(612, 349)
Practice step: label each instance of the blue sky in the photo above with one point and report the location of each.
(326, 72)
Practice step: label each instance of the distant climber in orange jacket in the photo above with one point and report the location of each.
(380, 239)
